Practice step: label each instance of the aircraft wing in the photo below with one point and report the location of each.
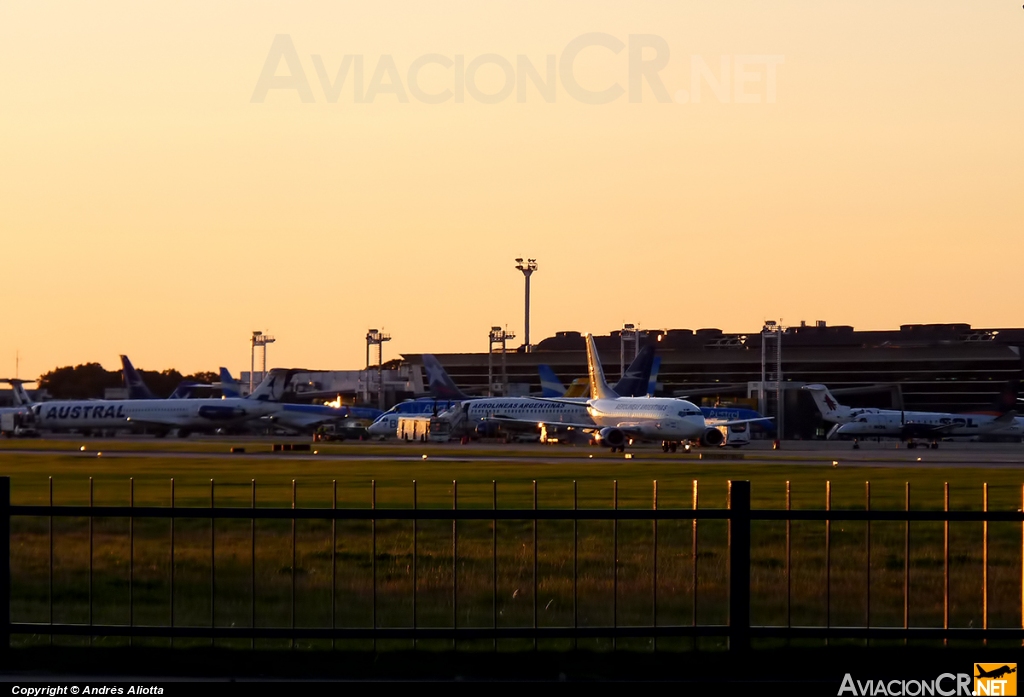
(563, 400)
(736, 422)
(547, 424)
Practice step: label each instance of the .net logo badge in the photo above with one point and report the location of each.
(995, 679)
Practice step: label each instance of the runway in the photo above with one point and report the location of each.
(792, 453)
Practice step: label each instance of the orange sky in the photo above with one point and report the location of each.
(150, 207)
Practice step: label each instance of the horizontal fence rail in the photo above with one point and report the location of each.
(738, 515)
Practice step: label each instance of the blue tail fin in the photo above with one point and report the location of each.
(439, 382)
(229, 387)
(133, 381)
(635, 382)
(652, 384)
(550, 385)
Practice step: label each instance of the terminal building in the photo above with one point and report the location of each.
(933, 367)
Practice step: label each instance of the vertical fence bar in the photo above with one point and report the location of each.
(615, 563)
(171, 608)
(1022, 562)
(789, 561)
(945, 561)
(867, 556)
(213, 565)
(455, 561)
(415, 573)
(575, 567)
(494, 561)
(654, 564)
(984, 559)
(373, 554)
(50, 593)
(293, 565)
(906, 566)
(334, 562)
(131, 557)
(739, 565)
(90, 555)
(694, 564)
(828, 559)
(252, 567)
(5, 570)
(534, 564)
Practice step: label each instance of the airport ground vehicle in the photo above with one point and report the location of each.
(736, 435)
(348, 429)
(424, 429)
(18, 425)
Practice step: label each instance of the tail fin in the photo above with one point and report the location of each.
(133, 381)
(229, 387)
(550, 385)
(1007, 399)
(440, 383)
(652, 385)
(273, 386)
(598, 386)
(21, 397)
(635, 381)
(828, 405)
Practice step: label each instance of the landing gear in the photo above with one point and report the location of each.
(935, 445)
(856, 444)
(664, 446)
(673, 446)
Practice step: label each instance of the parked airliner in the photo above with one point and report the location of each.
(617, 420)
(162, 415)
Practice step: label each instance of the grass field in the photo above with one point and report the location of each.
(314, 480)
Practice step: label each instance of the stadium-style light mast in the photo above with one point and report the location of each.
(527, 267)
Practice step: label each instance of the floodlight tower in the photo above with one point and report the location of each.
(629, 334)
(497, 336)
(377, 338)
(258, 339)
(527, 267)
(771, 397)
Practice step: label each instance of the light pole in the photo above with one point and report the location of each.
(497, 337)
(527, 267)
(375, 337)
(258, 339)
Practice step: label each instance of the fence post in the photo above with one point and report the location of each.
(5, 571)
(739, 565)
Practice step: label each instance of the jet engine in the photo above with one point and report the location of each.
(219, 413)
(712, 437)
(612, 437)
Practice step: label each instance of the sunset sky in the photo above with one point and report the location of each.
(864, 165)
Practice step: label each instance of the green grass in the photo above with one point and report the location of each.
(314, 484)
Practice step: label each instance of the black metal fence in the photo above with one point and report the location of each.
(738, 515)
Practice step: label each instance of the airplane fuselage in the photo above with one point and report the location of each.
(130, 413)
(924, 424)
(657, 418)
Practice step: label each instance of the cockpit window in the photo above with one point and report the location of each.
(690, 412)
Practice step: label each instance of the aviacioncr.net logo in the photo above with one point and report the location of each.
(945, 685)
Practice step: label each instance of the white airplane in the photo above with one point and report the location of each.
(910, 425)
(617, 420)
(834, 412)
(162, 415)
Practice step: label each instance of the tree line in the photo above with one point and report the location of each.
(89, 380)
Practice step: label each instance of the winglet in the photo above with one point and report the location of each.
(599, 388)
